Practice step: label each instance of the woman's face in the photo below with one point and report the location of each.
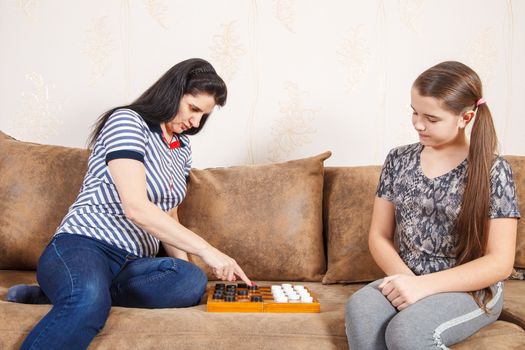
(191, 110)
(435, 125)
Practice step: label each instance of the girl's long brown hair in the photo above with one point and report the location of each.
(458, 88)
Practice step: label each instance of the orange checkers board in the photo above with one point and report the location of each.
(285, 298)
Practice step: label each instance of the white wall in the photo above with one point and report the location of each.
(304, 76)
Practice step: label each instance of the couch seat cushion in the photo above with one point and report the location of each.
(500, 335)
(514, 306)
(194, 328)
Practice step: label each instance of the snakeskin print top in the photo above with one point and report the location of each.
(426, 210)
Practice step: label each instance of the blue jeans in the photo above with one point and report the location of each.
(84, 277)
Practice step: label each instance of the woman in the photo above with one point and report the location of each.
(452, 208)
(103, 252)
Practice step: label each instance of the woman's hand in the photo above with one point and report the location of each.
(404, 290)
(224, 267)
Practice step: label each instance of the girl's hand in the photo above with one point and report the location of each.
(403, 290)
(224, 267)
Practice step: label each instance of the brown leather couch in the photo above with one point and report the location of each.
(293, 221)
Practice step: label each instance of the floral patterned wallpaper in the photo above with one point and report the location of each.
(304, 76)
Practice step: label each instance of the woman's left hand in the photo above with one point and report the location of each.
(404, 290)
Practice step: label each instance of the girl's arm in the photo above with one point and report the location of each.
(381, 242)
(130, 179)
(494, 266)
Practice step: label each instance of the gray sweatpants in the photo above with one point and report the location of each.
(434, 322)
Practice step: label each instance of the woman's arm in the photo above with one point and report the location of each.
(130, 179)
(381, 242)
(171, 250)
(175, 252)
(494, 266)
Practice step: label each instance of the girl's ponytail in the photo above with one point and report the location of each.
(458, 87)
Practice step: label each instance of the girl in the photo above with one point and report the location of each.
(103, 252)
(451, 208)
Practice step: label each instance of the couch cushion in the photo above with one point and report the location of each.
(267, 217)
(518, 170)
(4, 136)
(347, 210)
(500, 335)
(194, 328)
(514, 305)
(38, 183)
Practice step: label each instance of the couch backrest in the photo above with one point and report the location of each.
(38, 183)
(518, 169)
(347, 210)
(267, 217)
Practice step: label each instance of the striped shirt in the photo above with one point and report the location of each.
(97, 212)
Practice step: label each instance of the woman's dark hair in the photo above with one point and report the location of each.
(160, 102)
(458, 88)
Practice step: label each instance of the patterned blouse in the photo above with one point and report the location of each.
(426, 210)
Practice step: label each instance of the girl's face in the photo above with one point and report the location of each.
(191, 110)
(435, 125)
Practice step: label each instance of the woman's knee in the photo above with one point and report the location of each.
(189, 280)
(201, 280)
(197, 282)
